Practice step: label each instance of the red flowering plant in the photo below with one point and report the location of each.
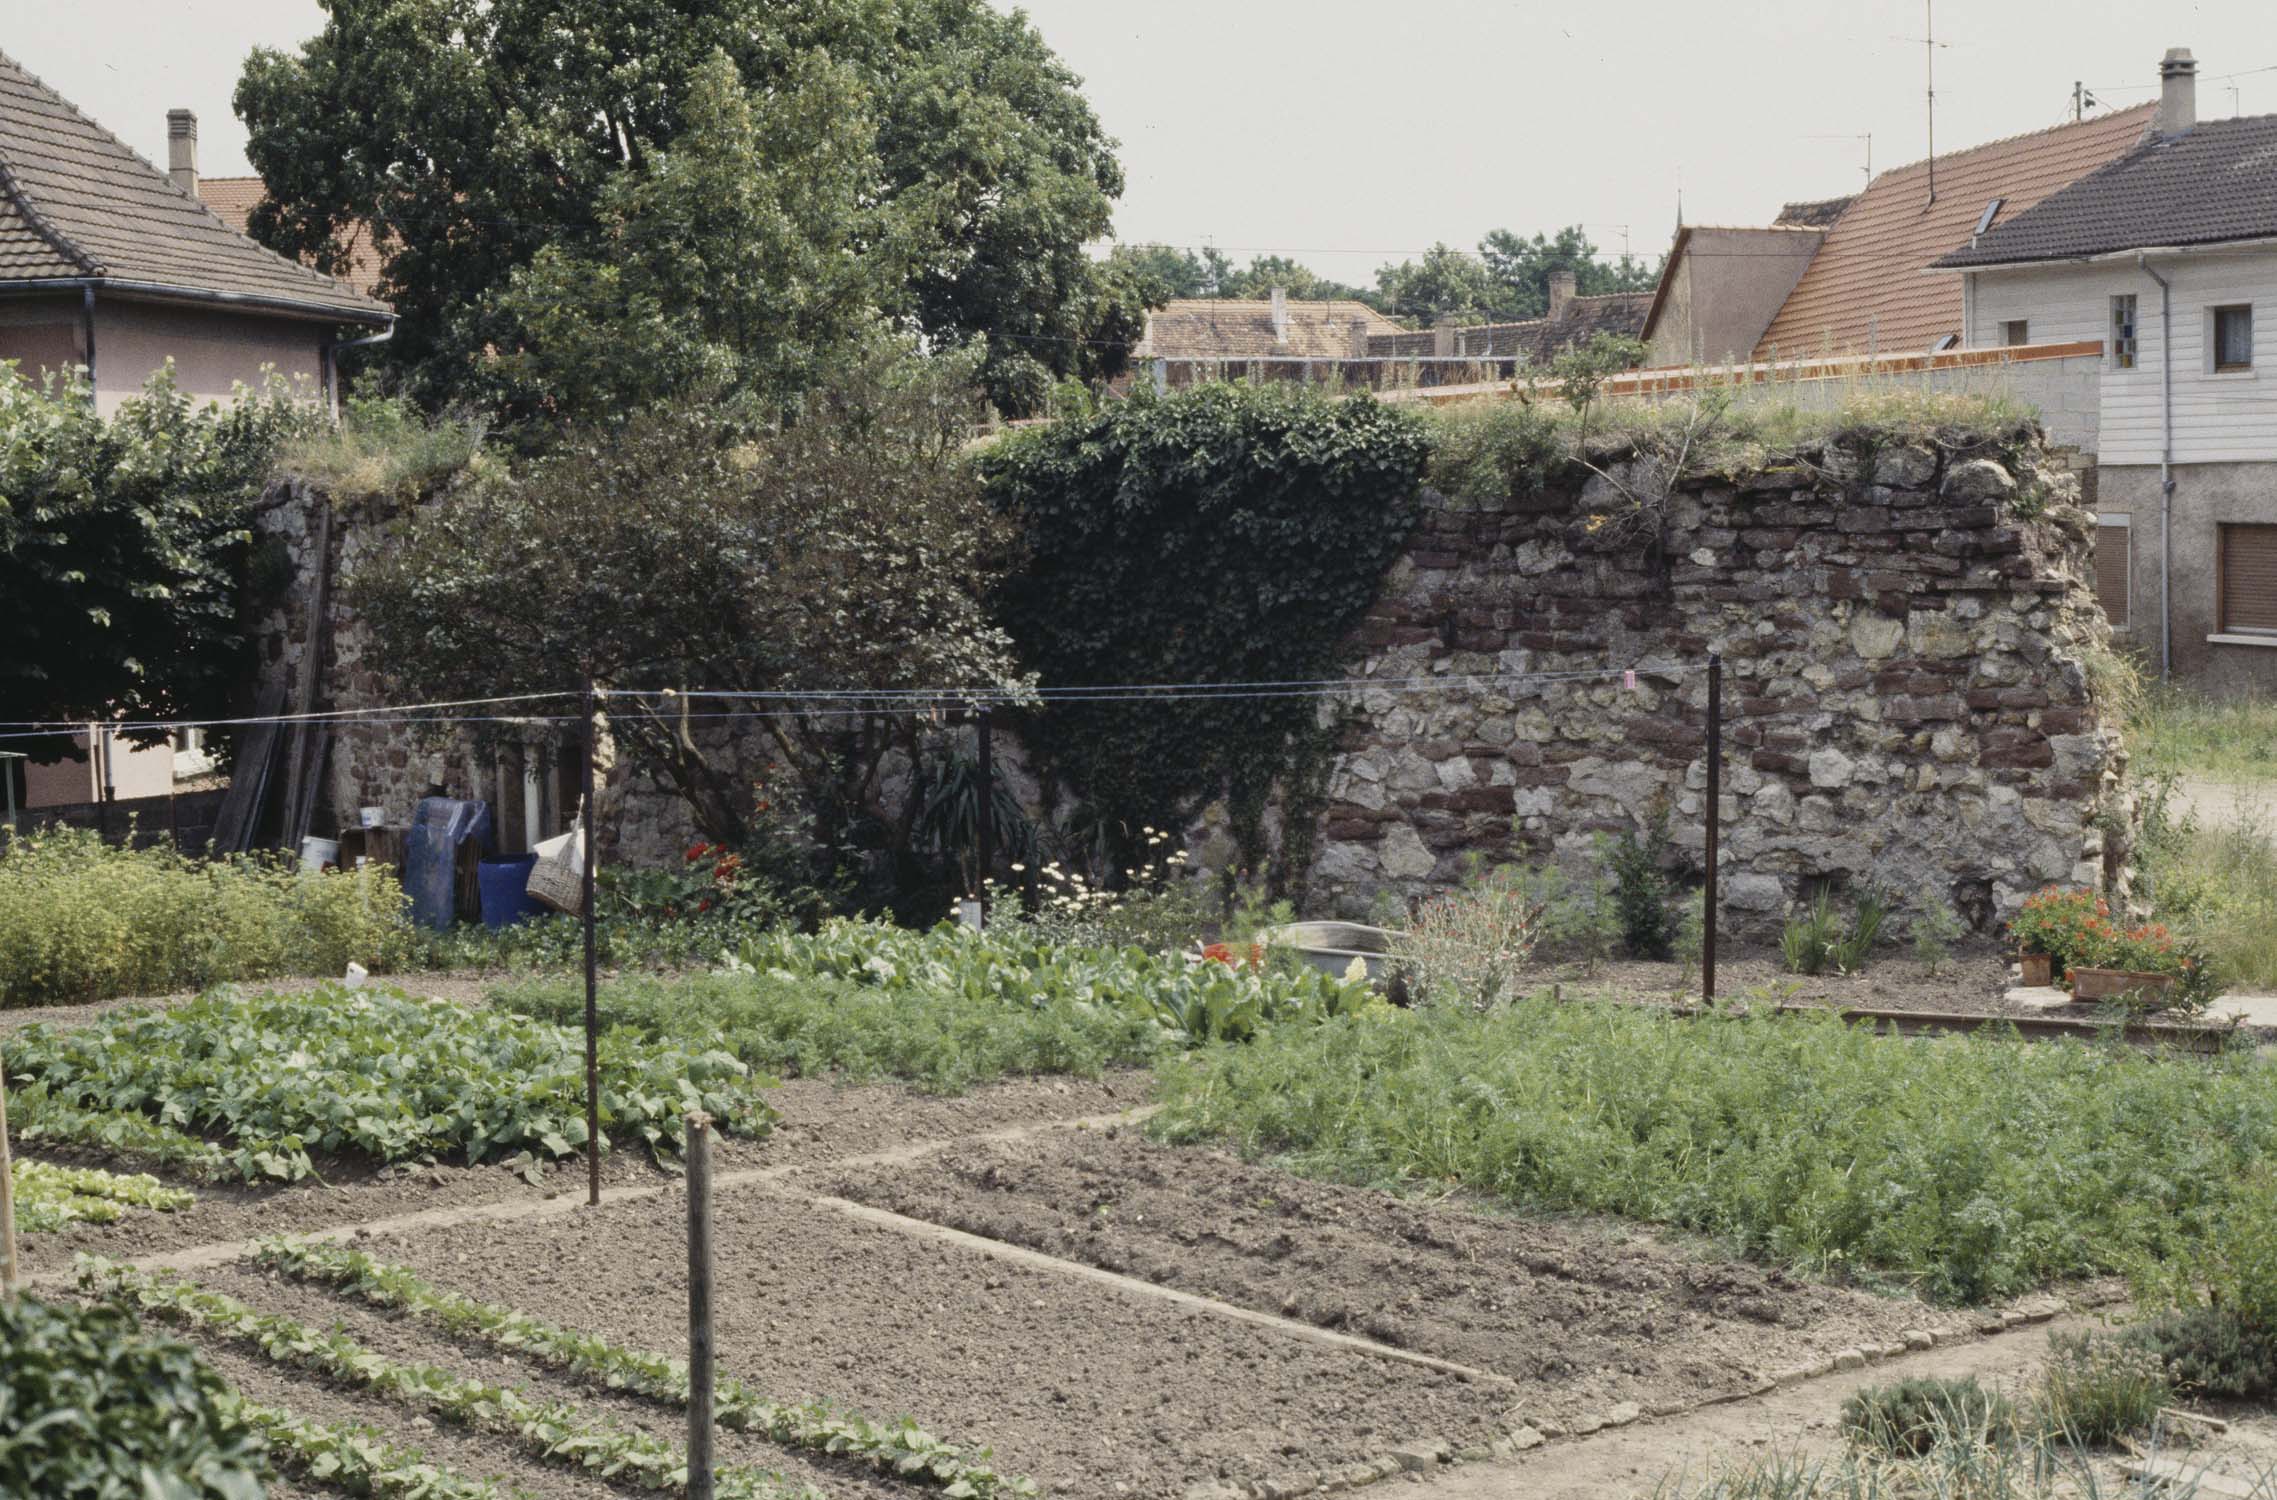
(2054, 922)
(2148, 948)
(769, 882)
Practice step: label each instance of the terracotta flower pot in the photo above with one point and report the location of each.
(2039, 970)
(2151, 990)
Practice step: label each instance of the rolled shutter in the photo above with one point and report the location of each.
(2111, 560)
(2249, 578)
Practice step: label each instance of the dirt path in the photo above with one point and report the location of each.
(1639, 1459)
(2227, 804)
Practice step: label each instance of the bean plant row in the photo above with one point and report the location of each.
(49, 1197)
(551, 1432)
(284, 1079)
(900, 1449)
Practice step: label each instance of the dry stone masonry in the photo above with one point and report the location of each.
(1907, 636)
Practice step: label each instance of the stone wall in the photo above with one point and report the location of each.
(1906, 638)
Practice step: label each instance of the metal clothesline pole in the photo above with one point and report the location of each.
(1711, 895)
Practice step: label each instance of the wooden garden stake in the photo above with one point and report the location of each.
(699, 1306)
(588, 831)
(7, 1196)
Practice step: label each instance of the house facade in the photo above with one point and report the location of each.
(2168, 258)
(112, 267)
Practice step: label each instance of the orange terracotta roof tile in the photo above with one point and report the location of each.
(1869, 287)
(233, 199)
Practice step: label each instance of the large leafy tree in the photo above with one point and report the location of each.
(123, 543)
(849, 548)
(1522, 267)
(472, 134)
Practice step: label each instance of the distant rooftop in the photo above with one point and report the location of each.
(78, 207)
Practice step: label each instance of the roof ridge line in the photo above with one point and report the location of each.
(2149, 107)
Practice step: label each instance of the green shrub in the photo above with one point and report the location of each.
(92, 1408)
(2207, 1352)
(2095, 1388)
(1911, 1417)
(1640, 889)
(1969, 1168)
(1468, 946)
(375, 1074)
(81, 920)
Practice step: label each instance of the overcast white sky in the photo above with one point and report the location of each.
(1349, 132)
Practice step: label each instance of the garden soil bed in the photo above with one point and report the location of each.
(1092, 1391)
(821, 1121)
(1581, 1314)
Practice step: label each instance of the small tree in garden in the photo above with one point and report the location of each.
(848, 546)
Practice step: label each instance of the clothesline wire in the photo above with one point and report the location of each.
(863, 703)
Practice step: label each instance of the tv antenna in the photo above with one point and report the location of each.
(1867, 139)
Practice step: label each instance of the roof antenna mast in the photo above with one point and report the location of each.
(1929, 67)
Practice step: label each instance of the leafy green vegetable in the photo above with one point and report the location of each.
(92, 1408)
(368, 1073)
(50, 1197)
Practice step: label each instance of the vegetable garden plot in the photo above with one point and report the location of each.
(1080, 1387)
(258, 1087)
(1577, 1313)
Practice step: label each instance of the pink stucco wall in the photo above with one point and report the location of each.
(136, 771)
(212, 351)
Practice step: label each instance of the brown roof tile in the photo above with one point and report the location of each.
(1868, 288)
(1537, 340)
(233, 199)
(76, 203)
(1231, 328)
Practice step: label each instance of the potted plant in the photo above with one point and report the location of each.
(2049, 930)
(2141, 966)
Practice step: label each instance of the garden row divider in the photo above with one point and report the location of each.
(225, 1252)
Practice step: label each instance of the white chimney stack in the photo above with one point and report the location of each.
(182, 150)
(2177, 92)
(1280, 315)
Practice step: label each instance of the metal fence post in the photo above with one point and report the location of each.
(592, 988)
(1711, 896)
(700, 1356)
(985, 815)
(7, 1197)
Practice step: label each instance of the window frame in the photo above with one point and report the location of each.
(2223, 625)
(2015, 332)
(2214, 362)
(2125, 349)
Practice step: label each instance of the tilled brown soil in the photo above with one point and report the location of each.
(1581, 1315)
(481, 1453)
(821, 1121)
(1092, 1391)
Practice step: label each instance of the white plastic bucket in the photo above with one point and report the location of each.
(316, 853)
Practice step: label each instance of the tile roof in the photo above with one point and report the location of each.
(76, 203)
(1540, 340)
(2212, 183)
(1817, 213)
(1242, 328)
(1866, 287)
(233, 200)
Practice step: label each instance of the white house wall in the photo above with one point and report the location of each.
(2218, 418)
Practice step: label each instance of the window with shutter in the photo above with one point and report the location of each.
(2111, 573)
(2248, 580)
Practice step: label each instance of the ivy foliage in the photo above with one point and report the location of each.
(91, 1408)
(1229, 533)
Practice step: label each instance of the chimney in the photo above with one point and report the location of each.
(182, 150)
(1359, 338)
(1280, 315)
(2177, 92)
(1562, 284)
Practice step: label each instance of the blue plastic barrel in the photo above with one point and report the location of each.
(506, 889)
